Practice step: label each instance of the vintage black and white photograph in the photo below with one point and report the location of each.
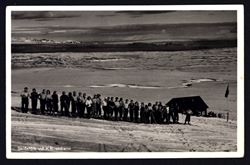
(138, 80)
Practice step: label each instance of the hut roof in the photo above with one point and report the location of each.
(189, 101)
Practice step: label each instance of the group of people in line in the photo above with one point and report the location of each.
(80, 105)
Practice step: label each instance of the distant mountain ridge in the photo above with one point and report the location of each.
(139, 46)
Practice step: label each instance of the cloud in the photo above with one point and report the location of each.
(41, 15)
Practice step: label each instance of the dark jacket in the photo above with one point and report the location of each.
(64, 99)
(34, 96)
(55, 98)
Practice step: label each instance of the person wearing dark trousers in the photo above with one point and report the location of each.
(131, 108)
(69, 102)
(83, 105)
(154, 113)
(136, 111)
(25, 100)
(142, 113)
(167, 114)
(117, 105)
(73, 104)
(94, 109)
(108, 107)
(64, 104)
(55, 103)
(188, 116)
(150, 113)
(98, 105)
(176, 113)
(164, 114)
(48, 102)
(111, 107)
(42, 98)
(159, 113)
(105, 108)
(67, 105)
(171, 113)
(125, 114)
(34, 97)
(89, 104)
(79, 105)
(121, 109)
(146, 114)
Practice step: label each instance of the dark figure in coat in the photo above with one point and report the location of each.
(34, 97)
(73, 100)
(79, 103)
(142, 113)
(151, 114)
(55, 101)
(98, 105)
(125, 114)
(94, 106)
(25, 100)
(176, 113)
(117, 105)
(107, 101)
(121, 109)
(136, 111)
(111, 105)
(64, 100)
(131, 108)
(146, 120)
(164, 114)
(154, 114)
(49, 102)
(42, 98)
(159, 113)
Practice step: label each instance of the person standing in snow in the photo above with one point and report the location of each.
(25, 100)
(131, 108)
(89, 104)
(125, 114)
(42, 98)
(136, 112)
(55, 103)
(188, 116)
(34, 97)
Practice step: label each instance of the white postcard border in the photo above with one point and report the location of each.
(133, 155)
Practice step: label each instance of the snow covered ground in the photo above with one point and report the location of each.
(93, 135)
(144, 77)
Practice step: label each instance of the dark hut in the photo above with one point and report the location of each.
(194, 103)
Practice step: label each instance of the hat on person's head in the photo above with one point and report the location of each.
(25, 87)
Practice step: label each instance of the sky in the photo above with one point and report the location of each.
(118, 25)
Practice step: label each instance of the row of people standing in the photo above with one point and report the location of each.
(70, 104)
(110, 108)
(133, 111)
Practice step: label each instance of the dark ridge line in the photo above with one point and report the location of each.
(139, 46)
